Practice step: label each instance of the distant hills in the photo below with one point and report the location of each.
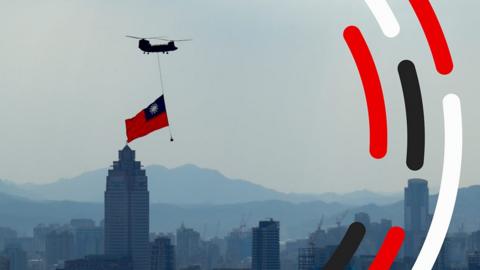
(183, 185)
(297, 219)
(210, 203)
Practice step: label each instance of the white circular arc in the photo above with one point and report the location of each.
(385, 17)
(452, 163)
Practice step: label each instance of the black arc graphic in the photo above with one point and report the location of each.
(415, 115)
(344, 252)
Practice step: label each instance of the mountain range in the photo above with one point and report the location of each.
(211, 203)
(183, 185)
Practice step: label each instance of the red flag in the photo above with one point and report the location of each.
(152, 118)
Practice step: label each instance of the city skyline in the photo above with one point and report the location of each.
(77, 245)
(284, 135)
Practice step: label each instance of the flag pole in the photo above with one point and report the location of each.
(163, 93)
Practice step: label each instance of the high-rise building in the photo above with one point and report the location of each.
(163, 254)
(88, 241)
(99, 262)
(474, 261)
(188, 247)
(416, 216)
(127, 211)
(363, 218)
(311, 258)
(239, 243)
(6, 235)
(77, 223)
(266, 246)
(39, 237)
(4, 263)
(58, 247)
(16, 256)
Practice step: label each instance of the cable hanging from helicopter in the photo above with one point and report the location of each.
(146, 47)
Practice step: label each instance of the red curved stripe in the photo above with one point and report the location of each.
(373, 90)
(435, 36)
(389, 249)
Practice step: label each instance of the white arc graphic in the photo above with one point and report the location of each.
(452, 163)
(385, 17)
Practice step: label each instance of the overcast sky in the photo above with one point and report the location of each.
(267, 91)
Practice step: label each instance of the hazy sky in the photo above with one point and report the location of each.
(267, 91)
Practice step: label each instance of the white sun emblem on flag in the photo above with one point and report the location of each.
(154, 109)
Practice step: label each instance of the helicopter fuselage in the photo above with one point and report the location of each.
(146, 47)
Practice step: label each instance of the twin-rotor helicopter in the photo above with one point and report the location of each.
(145, 45)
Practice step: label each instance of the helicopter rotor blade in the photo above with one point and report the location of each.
(134, 37)
(164, 39)
(161, 37)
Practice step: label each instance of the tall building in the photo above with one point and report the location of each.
(416, 216)
(127, 211)
(99, 262)
(4, 263)
(77, 223)
(474, 261)
(58, 247)
(39, 237)
(188, 247)
(163, 254)
(311, 258)
(266, 246)
(16, 256)
(6, 235)
(239, 243)
(88, 241)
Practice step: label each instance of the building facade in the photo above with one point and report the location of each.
(99, 262)
(188, 247)
(4, 263)
(127, 211)
(266, 246)
(16, 256)
(163, 254)
(417, 219)
(58, 247)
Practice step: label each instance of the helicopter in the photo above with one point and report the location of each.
(145, 45)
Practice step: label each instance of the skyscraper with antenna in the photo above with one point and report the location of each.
(127, 211)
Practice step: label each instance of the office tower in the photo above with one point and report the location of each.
(163, 254)
(239, 243)
(6, 235)
(25, 243)
(192, 267)
(188, 247)
(99, 262)
(474, 261)
(127, 211)
(266, 246)
(88, 241)
(363, 218)
(373, 240)
(39, 235)
(82, 223)
(211, 257)
(416, 216)
(58, 247)
(16, 256)
(4, 263)
(311, 258)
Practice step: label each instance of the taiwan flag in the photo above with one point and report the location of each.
(152, 118)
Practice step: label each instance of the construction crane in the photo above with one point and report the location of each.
(341, 217)
(320, 224)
